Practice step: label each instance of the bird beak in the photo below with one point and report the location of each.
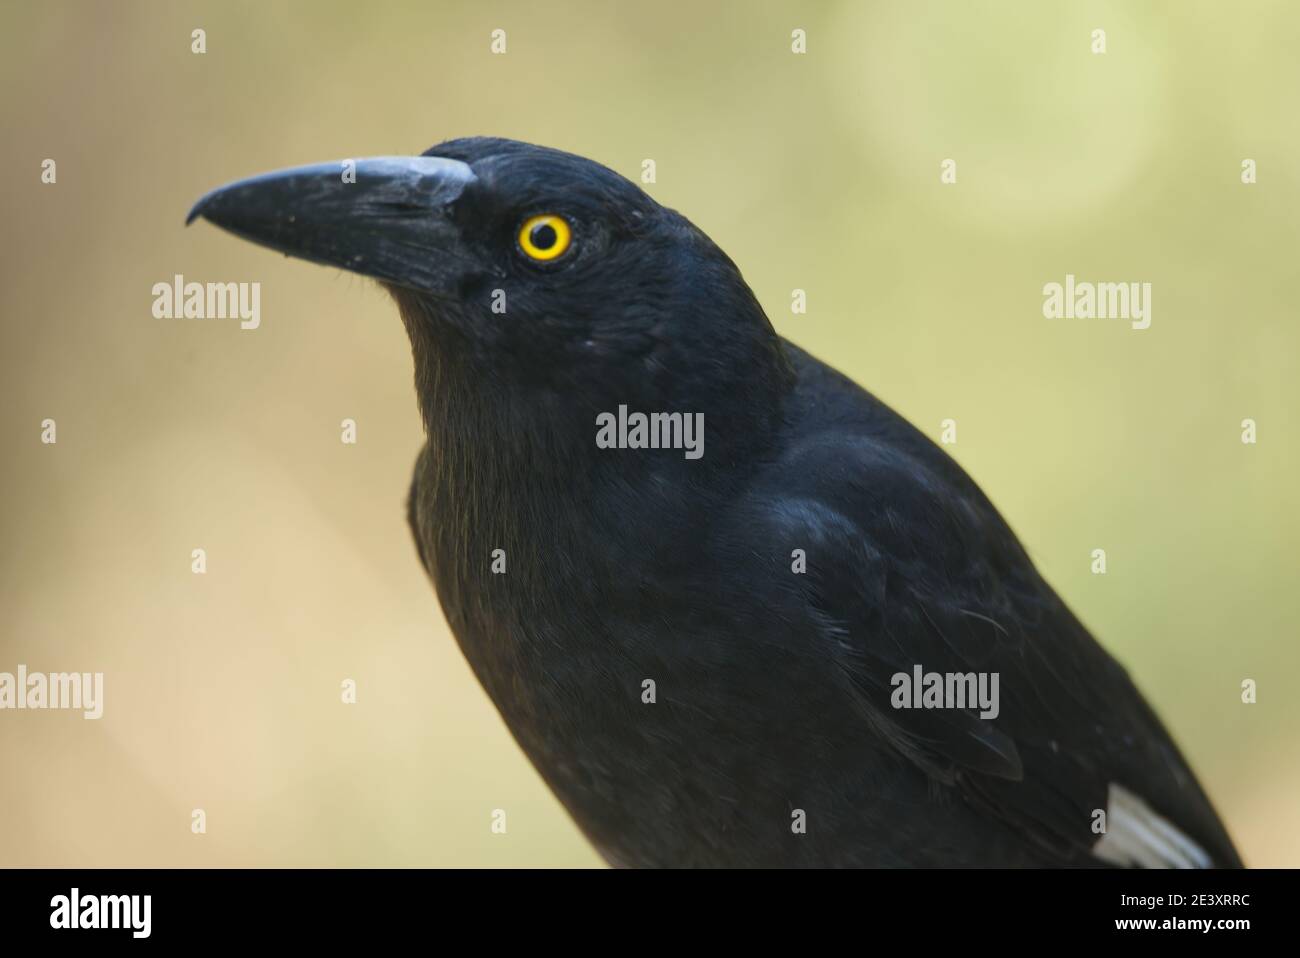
(388, 216)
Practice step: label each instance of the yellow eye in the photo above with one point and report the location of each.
(544, 238)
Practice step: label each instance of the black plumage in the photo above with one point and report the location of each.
(772, 687)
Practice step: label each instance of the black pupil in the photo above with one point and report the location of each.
(543, 236)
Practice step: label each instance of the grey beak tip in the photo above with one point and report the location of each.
(197, 210)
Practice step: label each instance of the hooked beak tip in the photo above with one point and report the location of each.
(198, 208)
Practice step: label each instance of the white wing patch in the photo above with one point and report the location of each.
(1137, 837)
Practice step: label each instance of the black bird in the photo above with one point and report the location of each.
(701, 649)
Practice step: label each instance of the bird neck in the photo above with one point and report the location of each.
(499, 418)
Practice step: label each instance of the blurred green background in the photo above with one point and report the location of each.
(817, 171)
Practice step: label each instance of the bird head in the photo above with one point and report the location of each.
(525, 266)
